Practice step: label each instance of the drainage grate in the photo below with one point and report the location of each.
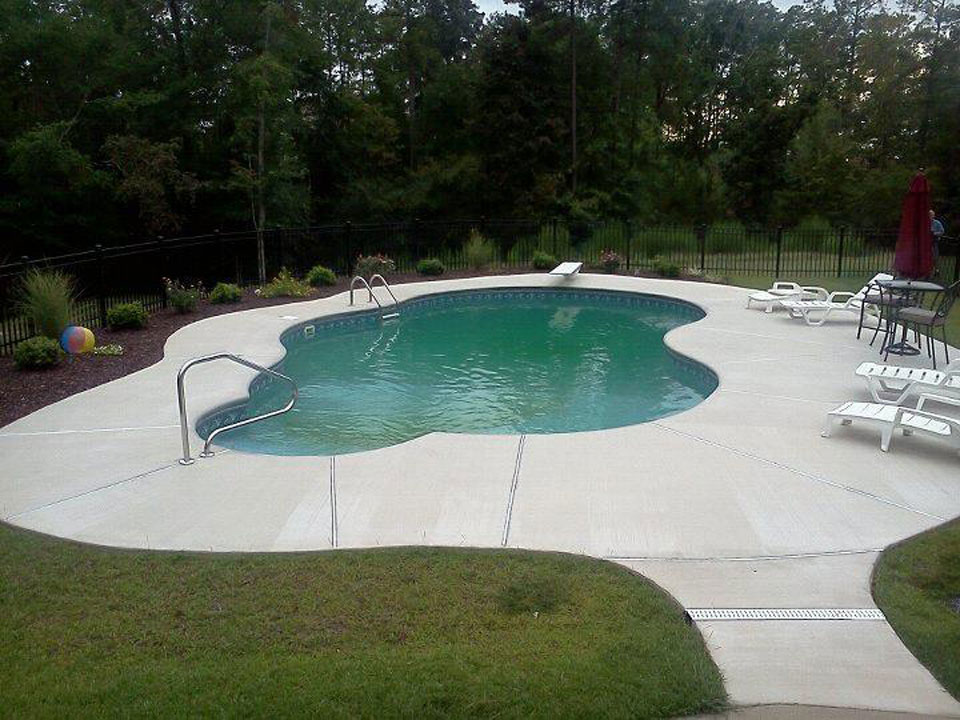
(785, 614)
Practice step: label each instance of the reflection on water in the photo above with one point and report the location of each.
(539, 365)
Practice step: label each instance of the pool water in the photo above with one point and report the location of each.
(523, 361)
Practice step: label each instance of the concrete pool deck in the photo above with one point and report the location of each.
(736, 503)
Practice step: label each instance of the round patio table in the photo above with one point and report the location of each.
(894, 302)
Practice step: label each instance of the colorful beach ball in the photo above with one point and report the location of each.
(76, 340)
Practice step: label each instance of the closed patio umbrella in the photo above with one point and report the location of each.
(914, 258)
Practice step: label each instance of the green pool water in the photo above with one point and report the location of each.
(526, 361)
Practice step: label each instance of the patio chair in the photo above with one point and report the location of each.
(873, 297)
(894, 384)
(890, 417)
(816, 312)
(930, 320)
(783, 290)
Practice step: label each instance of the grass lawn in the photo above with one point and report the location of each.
(849, 283)
(406, 632)
(917, 585)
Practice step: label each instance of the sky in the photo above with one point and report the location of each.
(492, 6)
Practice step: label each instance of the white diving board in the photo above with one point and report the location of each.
(567, 269)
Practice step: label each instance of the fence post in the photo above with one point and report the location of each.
(956, 261)
(843, 236)
(218, 241)
(776, 274)
(347, 231)
(416, 235)
(702, 245)
(164, 262)
(101, 289)
(629, 235)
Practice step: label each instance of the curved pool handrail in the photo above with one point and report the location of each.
(373, 281)
(353, 284)
(182, 402)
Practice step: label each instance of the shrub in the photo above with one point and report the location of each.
(225, 293)
(37, 352)
(610, 261)
(430, 266)
(478, 252)
(369, 265)
(666, 268)
(130, 316)
(183, 298)
(47, 299)
(320, 275)
(285, 285)
(544, 260)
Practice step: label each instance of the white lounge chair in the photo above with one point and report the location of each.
(891, 417)
(894, 384)
(816, 312)
(567, 269)
(783, 290)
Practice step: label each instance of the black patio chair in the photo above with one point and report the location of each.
(930, 320)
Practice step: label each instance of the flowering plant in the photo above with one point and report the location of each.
(369, 265)
(182, 297)
(610, 261)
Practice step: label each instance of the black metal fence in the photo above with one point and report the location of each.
(108, 275)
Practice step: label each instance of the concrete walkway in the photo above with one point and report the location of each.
(736, 503)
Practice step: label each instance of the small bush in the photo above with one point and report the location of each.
(544, 260)
(430, 266)
(36, 353)
(369, 265)
(183, 298)
(478, 252)
(127, 316)
(666, 268)
(320, 275)
(611, 261)
(225, 293)
(285, 285)
(46, 297)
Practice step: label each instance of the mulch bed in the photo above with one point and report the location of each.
(23, 392)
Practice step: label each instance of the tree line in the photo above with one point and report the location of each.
(123, 120)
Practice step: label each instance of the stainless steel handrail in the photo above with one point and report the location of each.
(182, 401)
(373, 281)
(353, 284)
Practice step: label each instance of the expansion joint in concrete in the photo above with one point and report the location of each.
(334, 530)
(100, 488)
(796, 471)
(508, 517)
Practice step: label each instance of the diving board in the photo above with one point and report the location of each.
(567, 269)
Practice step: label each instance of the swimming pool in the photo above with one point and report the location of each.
(505, 361)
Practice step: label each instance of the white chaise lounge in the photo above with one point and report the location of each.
(783, 290)
(891, 417)
(816, 312)
(567, 269)
(893, 384)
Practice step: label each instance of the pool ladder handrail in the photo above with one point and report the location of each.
(369, 287)
(182, 402)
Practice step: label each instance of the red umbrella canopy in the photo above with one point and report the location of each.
(914, 258)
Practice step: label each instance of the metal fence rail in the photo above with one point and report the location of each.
(106, 276)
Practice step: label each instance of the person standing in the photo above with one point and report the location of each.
(936, 230)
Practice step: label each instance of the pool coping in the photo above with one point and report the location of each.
(734, 503)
